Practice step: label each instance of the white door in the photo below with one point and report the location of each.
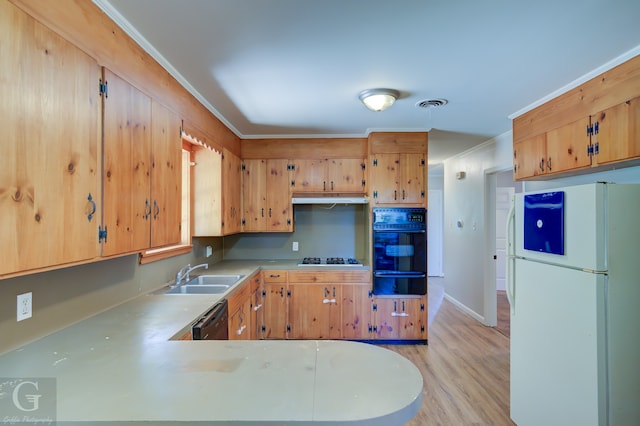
(556, 333)
(435, 223)
(504, 198)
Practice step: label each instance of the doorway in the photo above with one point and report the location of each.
(500, 189)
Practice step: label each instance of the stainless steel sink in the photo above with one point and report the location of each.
(214, 279)
(206, 284)
(199, 289)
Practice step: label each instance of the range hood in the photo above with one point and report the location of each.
(329, 200)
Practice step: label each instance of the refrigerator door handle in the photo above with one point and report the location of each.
(510, 258)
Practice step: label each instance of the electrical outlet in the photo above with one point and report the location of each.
(209, 251)
(24, 306)
(294, 246)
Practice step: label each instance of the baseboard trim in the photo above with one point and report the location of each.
(464, 308)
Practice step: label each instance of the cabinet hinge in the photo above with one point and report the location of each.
(104, 88)
(222, 223)
(596, 128)
(264, 293)
(243, 222)
(288, 328)
(291, 166)
(293, 183)
(222, 156)
(364, 182)
(422, 194)
(102, 234)
(288, 293)
(422, 162)
(263, 328)
(244, 167)
(363, 165)
(288, 221)
(375, 307)
(370, 294)
(370, 328)
(422, 329)
(375, 162)
(422, 307)
(597, 148)
(375, 194)
(589, 130)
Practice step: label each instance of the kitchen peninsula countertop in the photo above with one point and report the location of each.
(123, 366)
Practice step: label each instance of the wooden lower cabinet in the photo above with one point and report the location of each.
(240, 313)
(275, 302)
(315, 311)
(356, 311)
(257, 295)
(400, 318)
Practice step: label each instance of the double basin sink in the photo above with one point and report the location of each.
(206, 284)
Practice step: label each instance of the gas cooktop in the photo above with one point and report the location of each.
(329, 261)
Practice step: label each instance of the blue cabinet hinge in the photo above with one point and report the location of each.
(375, 307)
(375, 194)
(102, 234)
(375, 161)
(103, 88)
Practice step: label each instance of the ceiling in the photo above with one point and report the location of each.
(294, 68)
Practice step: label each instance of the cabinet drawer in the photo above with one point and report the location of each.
(330, 276)
(275, 276)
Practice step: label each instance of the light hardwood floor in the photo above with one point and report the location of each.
(465, 368)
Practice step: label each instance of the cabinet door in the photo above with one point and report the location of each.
(346, 175)
(310, 175)
(126, 157)
(412, 318)
(49, 115)
(232, 192)
(413, 172)
(356, 311)
(618, 134)
(529, 157)
(207, 193)
(275, 310)
(567, 147)
(278, 207)
(257, 306)
(254, 195)
(309, 315)
(166, 176)
(384, 320)
(384, 178)
(240, 322)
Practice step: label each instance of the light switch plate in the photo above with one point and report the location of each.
(24, 306)
(294, 246)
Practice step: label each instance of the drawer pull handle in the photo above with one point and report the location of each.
(325, 301)
(240, 330)
(399, 314)
(256, 308)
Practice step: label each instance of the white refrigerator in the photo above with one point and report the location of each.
(573, 281)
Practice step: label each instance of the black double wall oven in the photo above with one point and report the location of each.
(399, 251)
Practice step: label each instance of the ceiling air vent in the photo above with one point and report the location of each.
(427, 103)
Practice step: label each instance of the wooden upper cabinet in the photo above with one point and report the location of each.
(217, 178)
(166, 176)
(568, 147)
(266, 196)
(231, 193)
(616, 132)
(207, 192)
(49, 160)
(398, 178)
(530, 157)
(127, 167)
(594, 124)
(333, 175)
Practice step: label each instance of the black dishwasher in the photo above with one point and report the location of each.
(213, 325)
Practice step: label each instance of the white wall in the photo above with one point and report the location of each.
(464, 202)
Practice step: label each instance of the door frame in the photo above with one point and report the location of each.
(490, 288)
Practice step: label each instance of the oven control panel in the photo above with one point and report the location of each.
(399, 219)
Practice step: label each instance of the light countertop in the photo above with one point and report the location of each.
(121, 365)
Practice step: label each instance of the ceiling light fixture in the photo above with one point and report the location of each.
(378, 99)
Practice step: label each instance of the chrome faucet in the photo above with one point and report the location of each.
(183, 273)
